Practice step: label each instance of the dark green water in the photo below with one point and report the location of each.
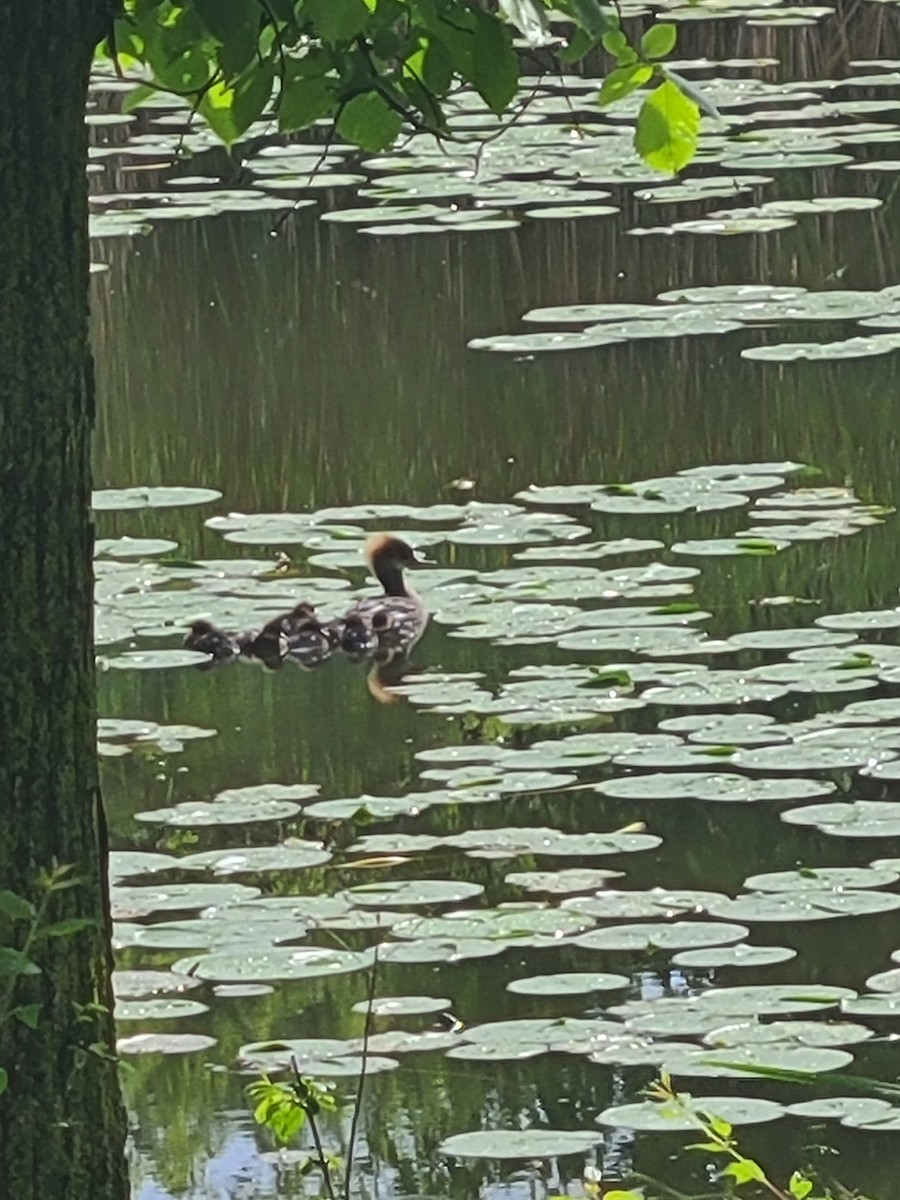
(320, 367)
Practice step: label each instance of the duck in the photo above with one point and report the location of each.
(209, 639)
(309, 641)
(389, 625)
(271, 643)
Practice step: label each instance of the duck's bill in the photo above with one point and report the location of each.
(423, 560)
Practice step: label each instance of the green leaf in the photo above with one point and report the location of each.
(16, 907)
(719, 1127)
(28, 1014)
(579, 46)
(799, 1186)
(692, 92)
(136, 97)
(226, 21)
(305, 100)
(495, 63)
(231, 110)
(589, 15)
(15, 963)
(668, 128)
(369, 122)
(336, 20)
(745, 1171)
(4, 1080)
(251, 95)
(659, 40)
(614, 42)
(622, 82)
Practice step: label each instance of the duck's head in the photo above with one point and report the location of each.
(383, 549)
(304, 610)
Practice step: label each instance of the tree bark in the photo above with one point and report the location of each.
(62, 1126)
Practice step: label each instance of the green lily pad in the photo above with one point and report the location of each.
(404, 1006)
(518, 1143)
(411, 893)
(676, 935)
(573, 983)
(651, 1116)
(858, 819)
(271, 964)
(828, 878)
(169, 1009)
(164, 1043)
(153, 660)
(128, 547)
(564, 882)
(119, 499)
(250, 860)
(709, 786)
(717, 957)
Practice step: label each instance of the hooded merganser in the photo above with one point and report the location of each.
(394, 622)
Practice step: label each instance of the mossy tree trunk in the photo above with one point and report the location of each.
(62, 1126)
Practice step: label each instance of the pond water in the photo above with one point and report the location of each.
(718, 647)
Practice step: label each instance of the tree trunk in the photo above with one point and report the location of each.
(62, 1127)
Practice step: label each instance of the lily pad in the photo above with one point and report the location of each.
(518, 1143)
(164, 1043)
(573, 983)
(268, 965)
(650, 1116)
(120, 499)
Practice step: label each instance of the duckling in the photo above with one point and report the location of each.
(396, 620)
(210, 639)
(357, 639)
(272, 642)
(310, 642)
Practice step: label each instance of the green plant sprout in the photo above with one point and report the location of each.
(24, 925)
(738, 1170)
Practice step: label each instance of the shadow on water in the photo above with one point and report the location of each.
(321, 367)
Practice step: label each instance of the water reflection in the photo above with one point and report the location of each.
(319, 368)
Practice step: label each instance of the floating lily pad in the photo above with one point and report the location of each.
(293, 855)
(411, 893)
(573, 983)
(857, 347)
(846, 1109)
(676, 935)
(808, 878)
(128, 547)
(541, 343)
(719, 787)
(235, 811)
(119, 499)
(266, 966)
(153, 660)
(164, 1043)
(518, 1143)
(717, 957)
(650, 1116)
(158, 1010)
(751, 547)
(564, 882)
(176, 897)
(138, 985)
(733, 1062)
(404, 1006)
(857, 819)
(486, 924)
